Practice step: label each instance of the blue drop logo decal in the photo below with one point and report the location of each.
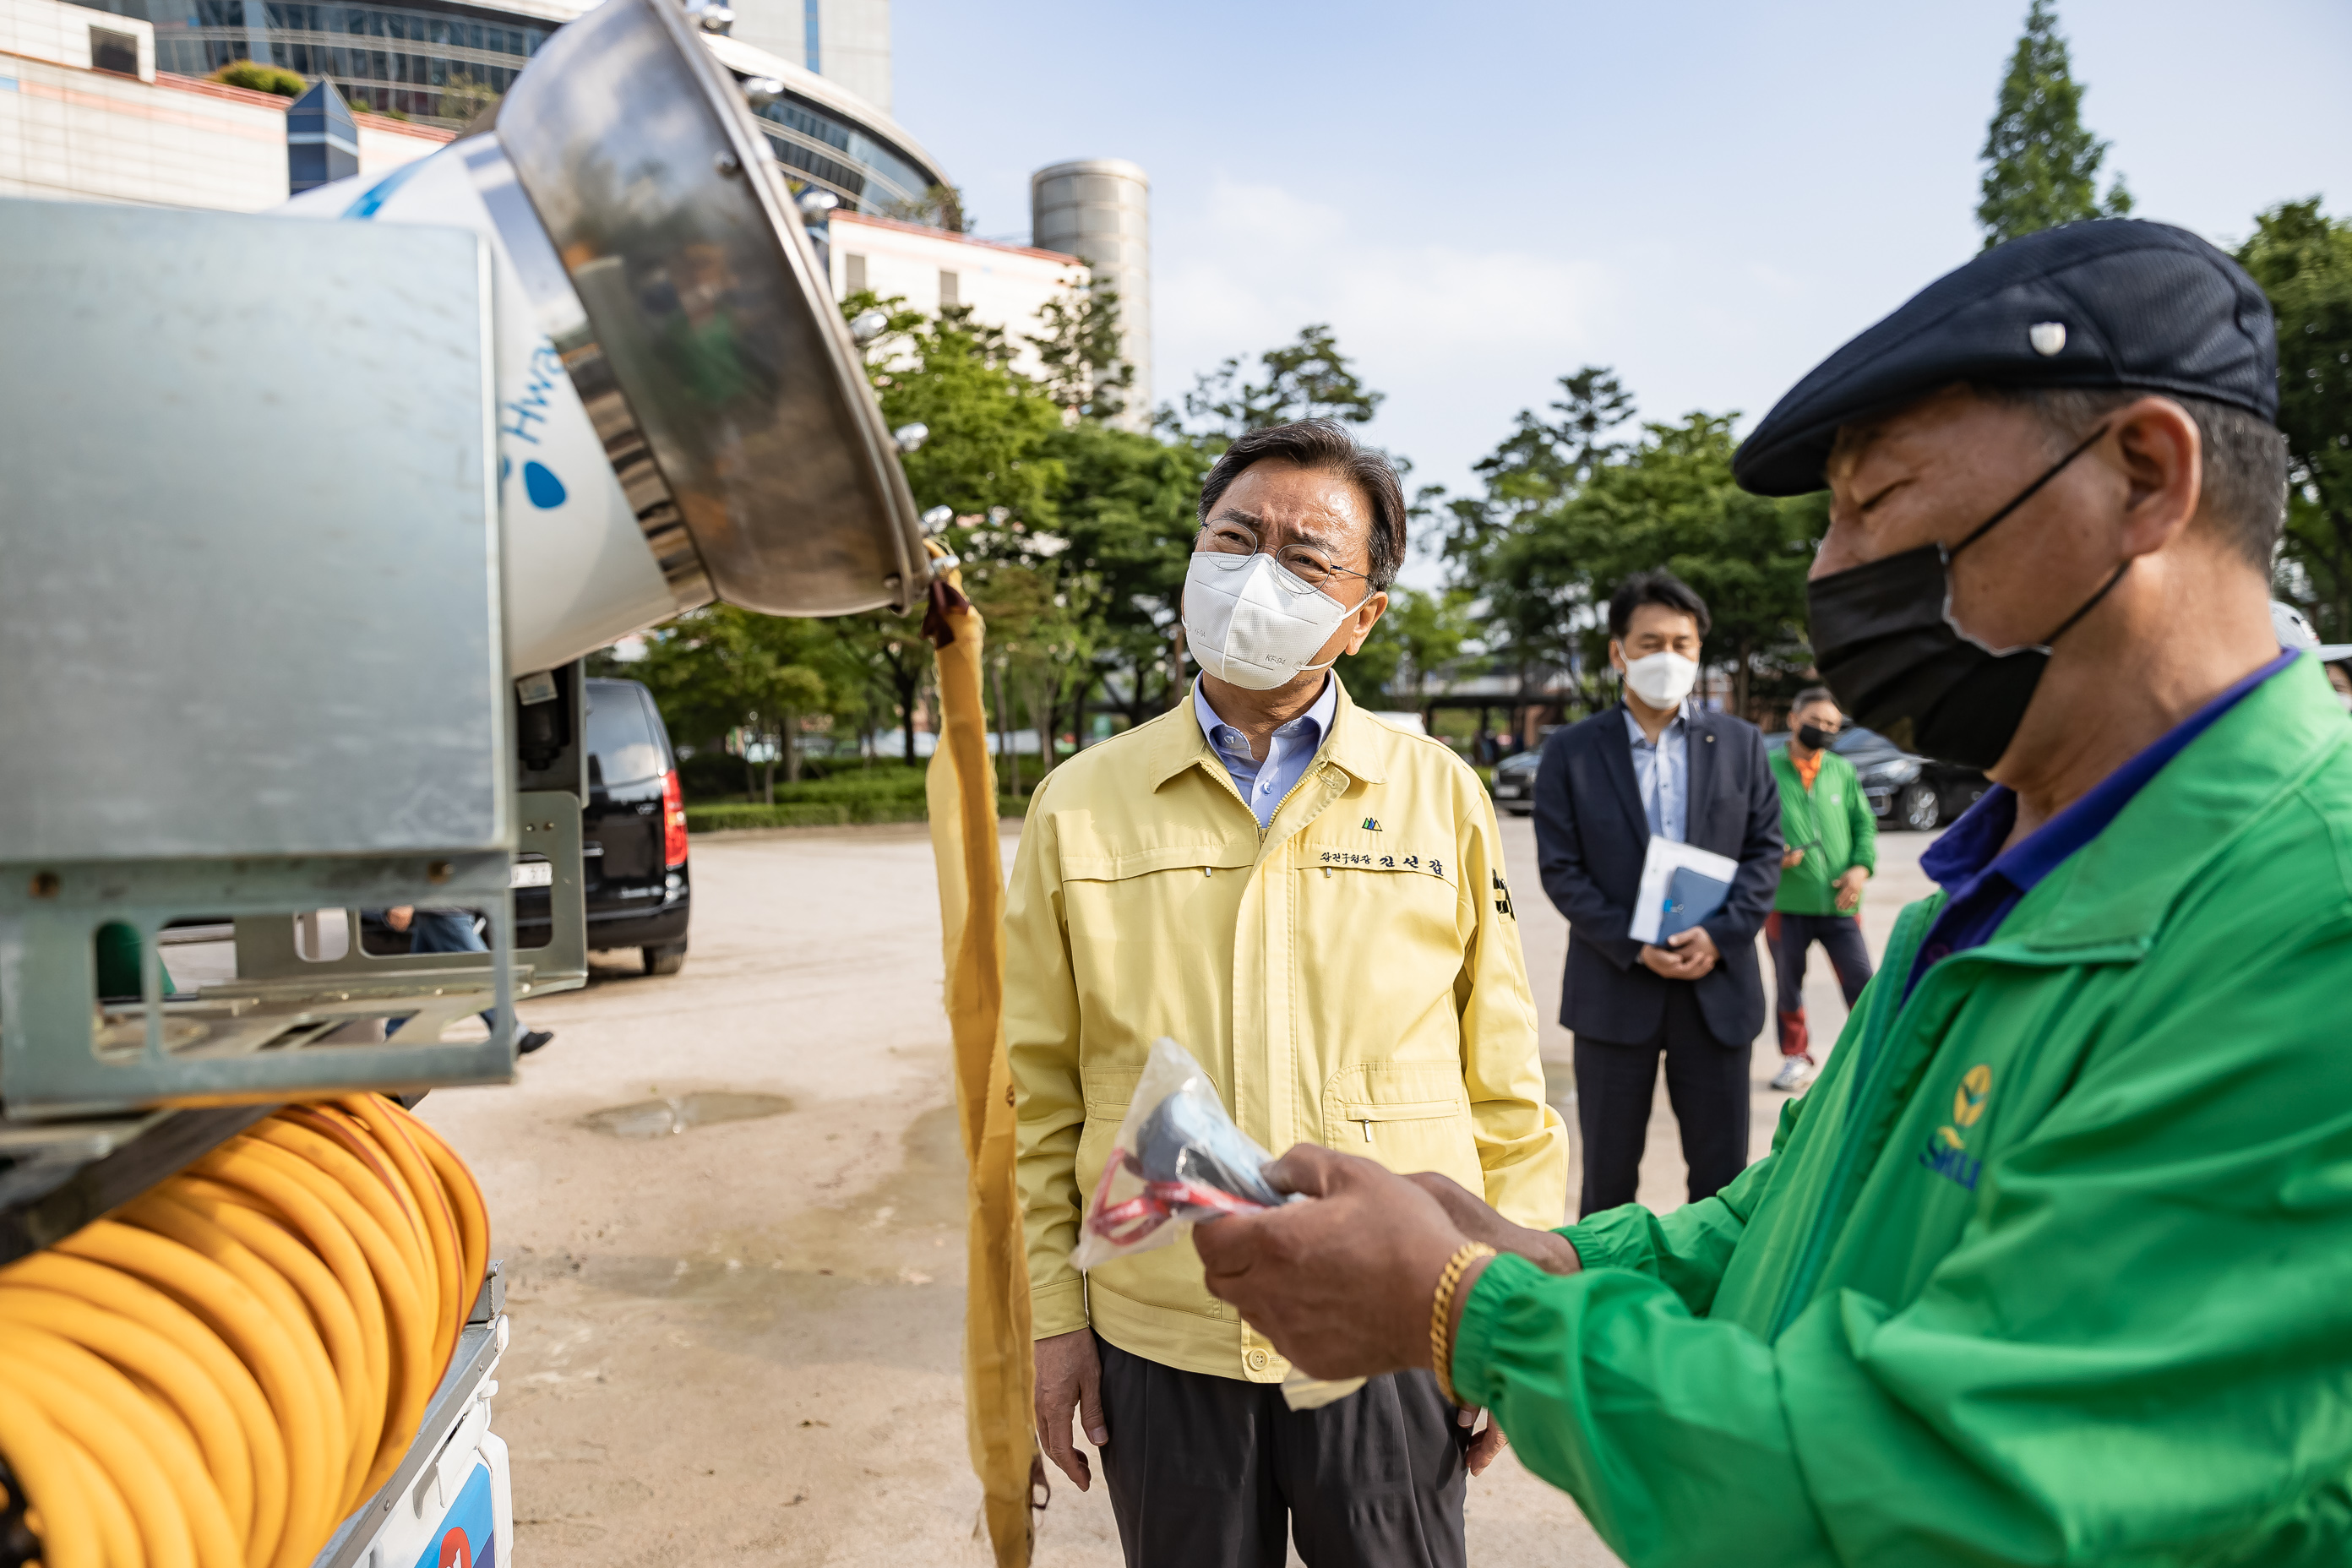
(541, 485)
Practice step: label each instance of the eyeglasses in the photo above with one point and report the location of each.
(1229, 545)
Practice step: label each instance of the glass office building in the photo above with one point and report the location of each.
(821, 145)
(432, 62)
(442, 62)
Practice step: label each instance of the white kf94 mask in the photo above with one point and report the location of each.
(1248, 621)
(1662, 680)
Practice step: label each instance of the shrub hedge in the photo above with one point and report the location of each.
(837, 812)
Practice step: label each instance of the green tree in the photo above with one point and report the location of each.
(1423, 633)
(1541, 461)
(1085, 372)
(1529, 616)
(1309, 379)
(1128, 511)
(894, 663)
(989, 424)
(1668, 501)
(722, 674)
(2303, 259)
(2041, 167)
(1039, 635)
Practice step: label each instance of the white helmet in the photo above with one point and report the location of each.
(2294, 633)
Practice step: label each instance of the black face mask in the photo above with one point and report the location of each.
(1813, 738)
(1884, 641)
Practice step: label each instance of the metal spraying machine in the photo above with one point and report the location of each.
(305, 521)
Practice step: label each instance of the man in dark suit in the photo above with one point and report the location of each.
(1655, 765)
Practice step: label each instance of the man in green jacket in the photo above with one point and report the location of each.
(1832, 849)
(2054, 1263)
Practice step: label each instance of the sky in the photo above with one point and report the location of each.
(1482, 197)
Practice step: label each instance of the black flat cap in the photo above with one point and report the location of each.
(2114, 303)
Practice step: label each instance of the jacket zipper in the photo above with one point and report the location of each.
(1313, 770)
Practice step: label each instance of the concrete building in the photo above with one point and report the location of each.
(86, 116)
(1003, 285)
(845, 41)
(1099, 210)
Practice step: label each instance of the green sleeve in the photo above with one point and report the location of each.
(1666, 1428)
(118, 953)
(1866, 825)
(1688, 1249)
(2134, 1353)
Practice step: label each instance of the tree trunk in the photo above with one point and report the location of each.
(768, 782)
(792, 746)
(1010, 782)
(1134, 703)
(1086, 684)
(1175, 667)
(908, 693)
(1046, 709)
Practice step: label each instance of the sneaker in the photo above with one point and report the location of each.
(532, 1041)
(1794, 1074)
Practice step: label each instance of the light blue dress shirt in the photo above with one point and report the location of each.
(1662, 769)
(1264, 784)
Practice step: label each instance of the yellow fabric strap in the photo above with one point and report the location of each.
(998, 1363)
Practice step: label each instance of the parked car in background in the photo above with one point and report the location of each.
(1903, 790)
(1515, 782)
(633, 835)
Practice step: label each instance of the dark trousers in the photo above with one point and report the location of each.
(1792, 937)
(1215, 1471)
(1706, 1081)
(448, 930)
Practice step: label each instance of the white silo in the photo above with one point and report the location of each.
(1099, 210)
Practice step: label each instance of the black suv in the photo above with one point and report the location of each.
(1903, 790)
(633, 835)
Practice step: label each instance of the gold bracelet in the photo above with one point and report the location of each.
(1440, 1314)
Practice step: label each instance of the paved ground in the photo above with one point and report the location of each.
(738, 1344)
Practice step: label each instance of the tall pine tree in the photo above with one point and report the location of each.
(2041, 167)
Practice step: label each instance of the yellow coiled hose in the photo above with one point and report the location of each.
(216, 1373)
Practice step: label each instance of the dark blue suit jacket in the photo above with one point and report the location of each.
(1591, 833)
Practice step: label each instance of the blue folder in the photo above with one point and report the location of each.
(1691, 897)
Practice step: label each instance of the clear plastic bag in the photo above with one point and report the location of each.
(1179, 1159)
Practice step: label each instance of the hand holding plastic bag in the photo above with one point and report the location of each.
(1178, 1160)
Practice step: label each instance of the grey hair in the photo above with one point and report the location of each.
(1813, 694)
(1320, 444)
(2245, 456)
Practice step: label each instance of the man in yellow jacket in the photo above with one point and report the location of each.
(1314, 904)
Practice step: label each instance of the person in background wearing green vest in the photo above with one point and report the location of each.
(2052, 1265)
(1832, 849)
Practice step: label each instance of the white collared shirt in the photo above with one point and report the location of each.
(1662, 769)
(1264, 784)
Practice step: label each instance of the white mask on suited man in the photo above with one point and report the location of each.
(1250, 622)
(1662, 680)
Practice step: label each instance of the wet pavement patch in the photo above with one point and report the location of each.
(675, 1113)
